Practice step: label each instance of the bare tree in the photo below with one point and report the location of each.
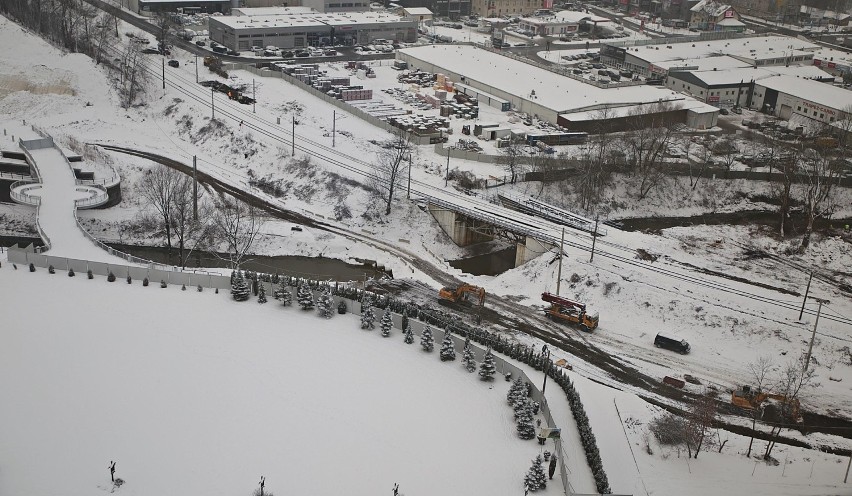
(596, 166)
(101, 36)
(793, 379)
(237, 225)
(511, 157)
(158, 187)
(820, 174)
(652, 130)
(133, 77)
(701, 417)
(186, 227)
(759, 374)
(727, 151)
(391, 162)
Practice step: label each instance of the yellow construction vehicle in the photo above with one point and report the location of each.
(565, 310)
(462, 294)
(750, 399)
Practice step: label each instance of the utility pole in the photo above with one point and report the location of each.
(293, 152)
(559, 272)
(253, 97)
(196, 67)
(333, 126)
(409, 175)
(194, 188)
(813, 335)
(447, 178)
(212, 104)
(545, 353)
(846, 477)
(164, 71)
(594, 239)
(807, 289)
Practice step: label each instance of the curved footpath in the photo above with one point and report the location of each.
(56, 214)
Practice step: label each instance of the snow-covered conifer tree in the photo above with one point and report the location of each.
(239, 287)
(535, 478)
(409, 335)
(487, 368)
(448, 350)
(426, 339)
(524, 418)
(325, 304)
(261, 293)
(387, 323)
(305, 297)
(468, 359)
(286, 297)
(368, 318)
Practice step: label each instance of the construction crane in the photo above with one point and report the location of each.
(573, 312)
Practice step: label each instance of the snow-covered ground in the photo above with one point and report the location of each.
(205, 395)
(727, 330)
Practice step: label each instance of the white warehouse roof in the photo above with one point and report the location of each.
(824, 94)
(735, 46)
(553, 91)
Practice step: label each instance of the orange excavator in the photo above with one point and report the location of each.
(461, 294)
(774, 406)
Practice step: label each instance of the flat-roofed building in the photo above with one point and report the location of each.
(735, 87)
(655, 59)
(806, 102)
(299, 30)
(554, 97)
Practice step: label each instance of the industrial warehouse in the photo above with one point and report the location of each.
(575, 105)
(659, 57)
(301, 29)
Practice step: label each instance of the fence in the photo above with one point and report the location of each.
(22, 196)
(153, 273)
(419, 140)
(99, 198)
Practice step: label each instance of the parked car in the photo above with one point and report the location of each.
(724, 111)
(671, 343)
(174, 63)
(200, 43)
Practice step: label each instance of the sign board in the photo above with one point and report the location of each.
(713, 99)
(550, 433)
(729, 13)
(616, 53)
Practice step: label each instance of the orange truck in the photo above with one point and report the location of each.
(569, 311)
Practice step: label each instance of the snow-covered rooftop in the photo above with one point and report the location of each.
(308, 19)
(746, 74)
(741, 46)
(824, 94)
(730, 22)
(711, 7)
(554, 91)
(417, 11)
(575, 16)
(704, 63)
(686, 104)
(271, 11)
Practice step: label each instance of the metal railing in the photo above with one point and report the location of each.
(17, 177)
(22, 196)
(99, 198)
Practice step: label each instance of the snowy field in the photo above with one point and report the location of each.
(205, 395)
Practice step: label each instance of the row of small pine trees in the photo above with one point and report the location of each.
(487, 369)
(111, 277)
(437, 318)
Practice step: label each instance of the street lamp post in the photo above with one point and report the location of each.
(545, 353)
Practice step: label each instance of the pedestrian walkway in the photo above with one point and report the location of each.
(58, 191)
